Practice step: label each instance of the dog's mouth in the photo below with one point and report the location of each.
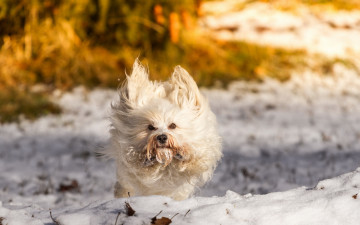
(163, 154)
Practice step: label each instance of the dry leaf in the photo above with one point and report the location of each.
(161, 221)
(129, 210)
(72, 187)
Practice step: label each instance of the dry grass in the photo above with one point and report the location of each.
(15, 103)
(335, 4)
(55, 56)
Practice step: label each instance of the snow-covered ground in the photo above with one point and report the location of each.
(331, 33)
(276, 137)
(333, 201)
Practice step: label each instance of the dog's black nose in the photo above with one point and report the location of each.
(162, 138)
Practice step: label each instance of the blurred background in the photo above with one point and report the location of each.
(281, 76)
(60, 44)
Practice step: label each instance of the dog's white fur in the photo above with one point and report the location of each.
(193, 147)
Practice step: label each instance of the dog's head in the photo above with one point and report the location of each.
(165, 121)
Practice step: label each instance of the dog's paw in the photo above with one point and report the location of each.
(118, 190)
(149, 161)
(181, 155)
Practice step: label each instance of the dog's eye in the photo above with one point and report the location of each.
(151, 127)
(172, 126)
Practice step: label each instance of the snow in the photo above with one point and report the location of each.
(332, 201)
(334, 34)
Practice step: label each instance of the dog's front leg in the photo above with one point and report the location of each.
(181, 154)
(120, 191)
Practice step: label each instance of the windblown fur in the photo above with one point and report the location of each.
(163, 136)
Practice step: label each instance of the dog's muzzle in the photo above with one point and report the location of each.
(163, 148)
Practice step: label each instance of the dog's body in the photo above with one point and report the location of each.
(163, 137)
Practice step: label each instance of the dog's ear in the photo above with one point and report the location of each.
(136, 83)
(185, 90)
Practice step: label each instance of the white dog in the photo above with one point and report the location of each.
(163, 137)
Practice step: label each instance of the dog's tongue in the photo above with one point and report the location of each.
(164, 155)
